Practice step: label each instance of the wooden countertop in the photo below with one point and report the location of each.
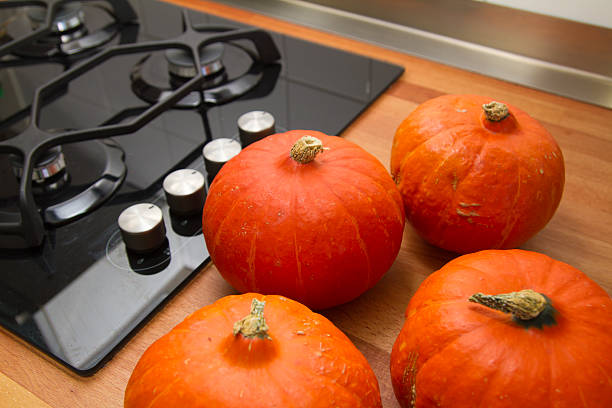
(578, 234)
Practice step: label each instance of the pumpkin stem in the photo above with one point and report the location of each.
(254, 324)
(495, 111)
(306, 149)
(523, 305)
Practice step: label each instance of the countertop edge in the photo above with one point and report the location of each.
(543, 75)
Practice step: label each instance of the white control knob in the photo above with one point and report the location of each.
(217, 152)
(185, 191)
(142, 227)
(254, 126)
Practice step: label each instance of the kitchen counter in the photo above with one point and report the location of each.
(578, 234)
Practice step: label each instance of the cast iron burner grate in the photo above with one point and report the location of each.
(27, 227)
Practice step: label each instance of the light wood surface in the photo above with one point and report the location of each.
(578, 234)
(14, 395)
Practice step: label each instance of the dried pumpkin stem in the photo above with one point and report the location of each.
(495, 111)
(523, 305)
(306, 149)
(254, 324)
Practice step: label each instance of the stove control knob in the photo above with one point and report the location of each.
(185, 191)
(255, 125)
(142, 227)
(217, 152)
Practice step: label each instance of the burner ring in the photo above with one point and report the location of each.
(180, 62)
(216, 89)
(51, 163)
(111, 178)
(68, 17)
(69, 35)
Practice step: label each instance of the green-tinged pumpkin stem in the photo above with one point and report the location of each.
(306, 149)
(495, 111)
(523, 305)
(254, 324)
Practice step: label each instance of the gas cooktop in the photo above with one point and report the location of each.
(104, 115)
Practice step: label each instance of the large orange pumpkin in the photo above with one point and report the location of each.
(320, 225)
(279, 355)
(545, 341)
(476, 175)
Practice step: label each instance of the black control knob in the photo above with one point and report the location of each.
(254, 126)
(142, 227)
(217, 152)
(185, 191)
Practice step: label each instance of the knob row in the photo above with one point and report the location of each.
(252, 126)
(142, 225)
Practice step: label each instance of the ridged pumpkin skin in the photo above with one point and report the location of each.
(455, 353)
(469, 183)
(306, 363)
(321, 233)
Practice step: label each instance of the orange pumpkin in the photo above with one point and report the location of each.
(304, 215)
(475, 175)
(279, 355)
(540, 337)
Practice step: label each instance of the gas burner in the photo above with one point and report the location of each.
(181, 68)
(221, 83)
(68, 25)
(68, 181)
(181, 64)
(49, 174)
(68, 17)
(28, 36)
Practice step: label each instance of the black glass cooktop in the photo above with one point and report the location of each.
(79, 294)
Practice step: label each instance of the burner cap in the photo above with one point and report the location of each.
(180, 62)
(67, 17)
(48, 165)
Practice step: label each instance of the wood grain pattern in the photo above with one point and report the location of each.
(578, 234)
(14, 395)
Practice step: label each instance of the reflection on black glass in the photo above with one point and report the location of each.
(152, 262)
(186, 225)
